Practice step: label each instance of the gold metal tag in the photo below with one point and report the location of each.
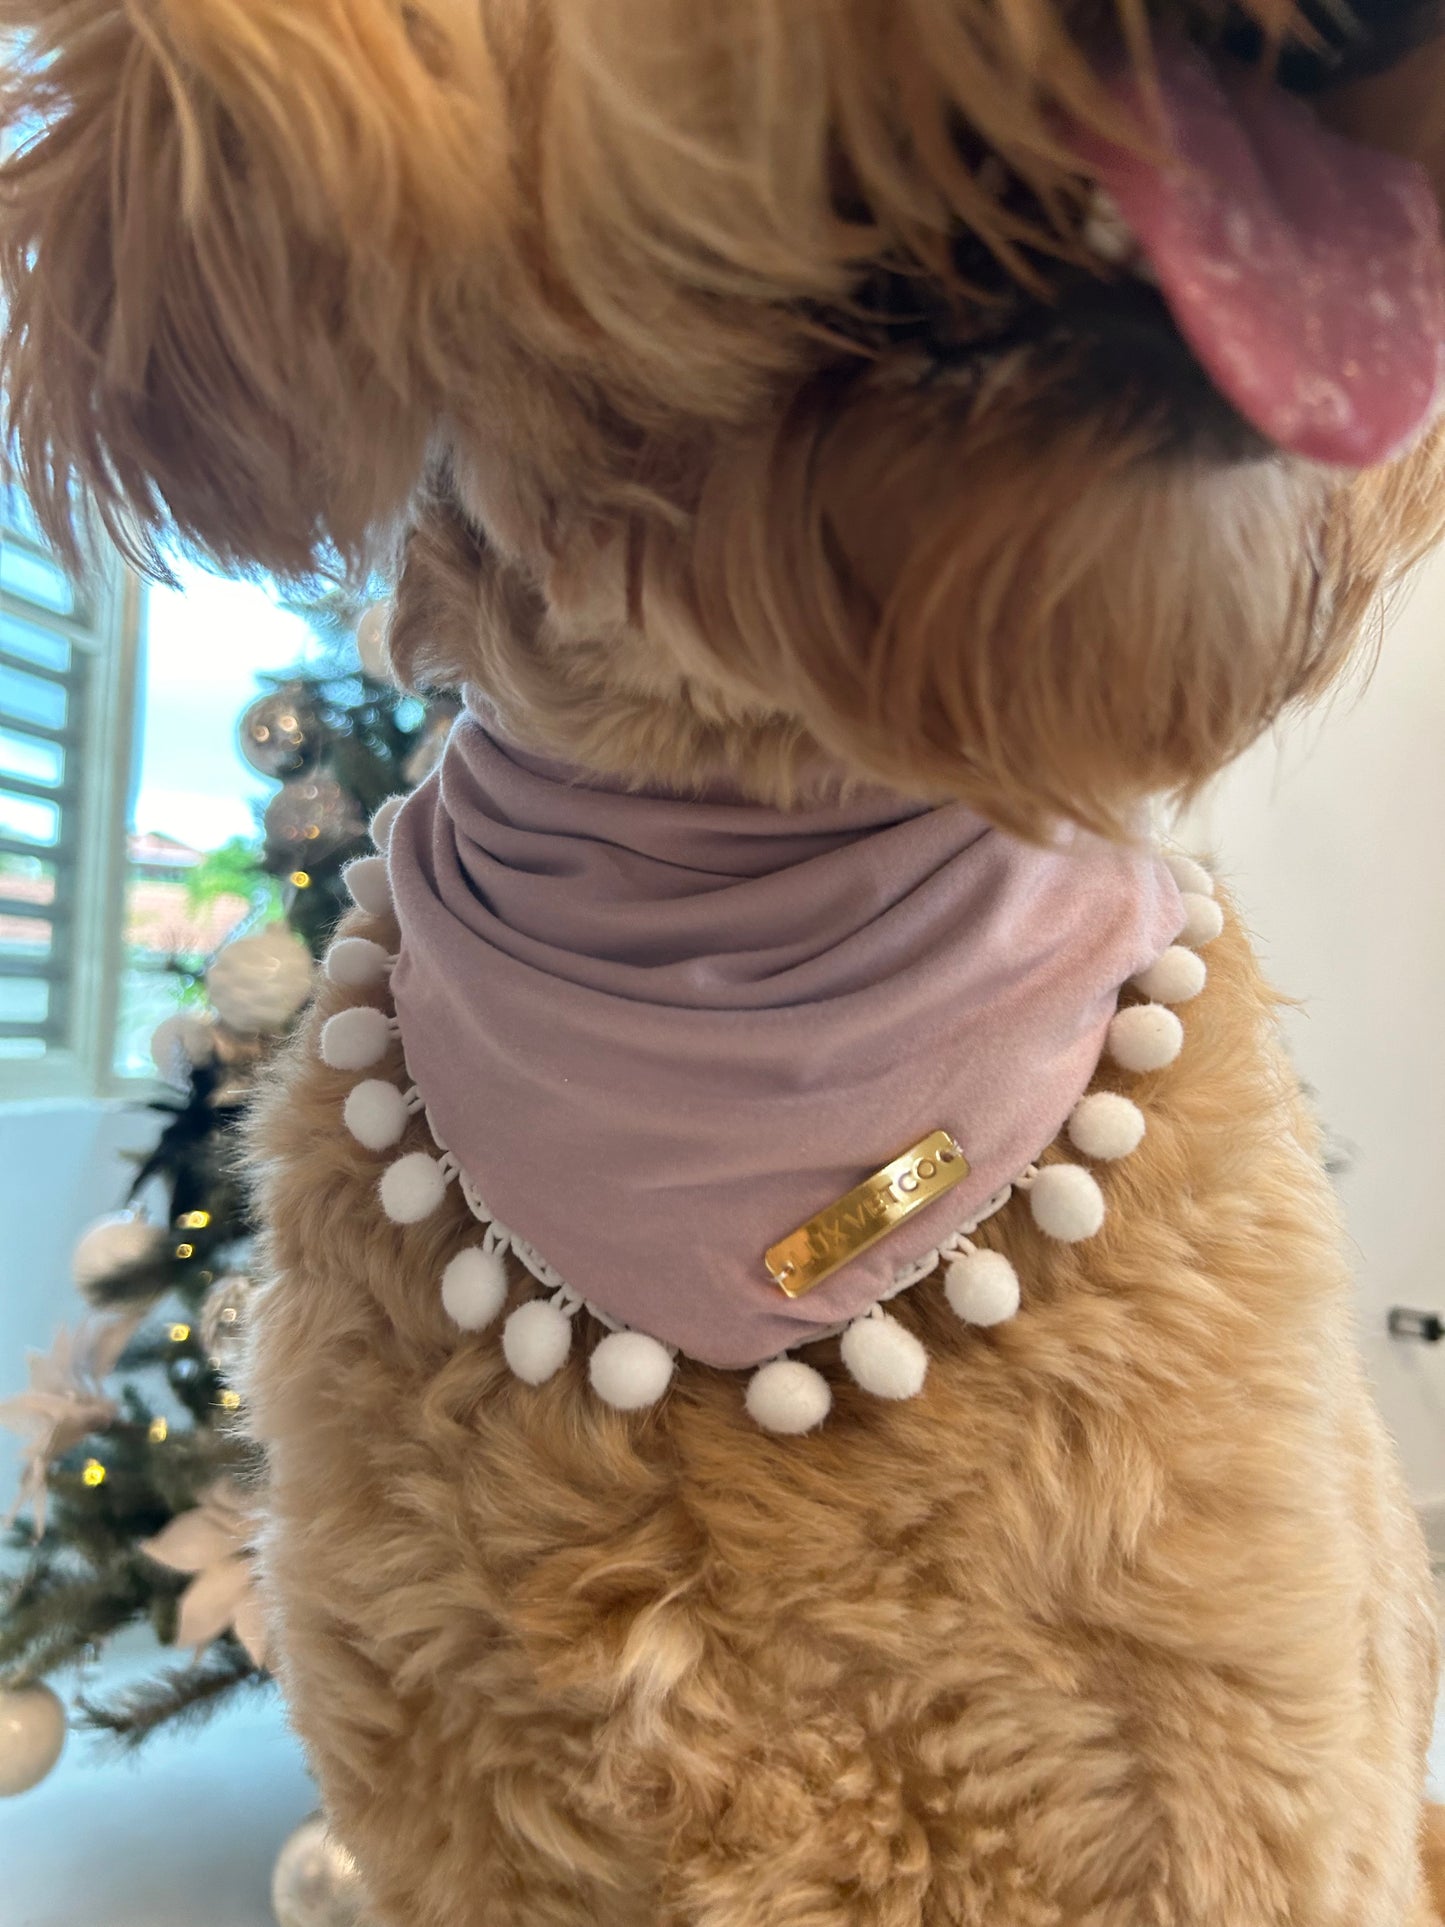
(802, 1260)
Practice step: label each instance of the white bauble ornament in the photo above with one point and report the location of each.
(474, 1288)
(357, 963)
(258, 983)
(316, 1882)
(630, 1371)
(109, 1245)
(32, 1737)
(179, 1043)
(412, 1188)
(1145, 1037)
(788, 1396)
(1105, 1125)
(1174, 978)
(371, 643)
(982, 1287)
(375, 1113)
(536, 1340)
(884, 1357)
(1066, 1203)
(1203, 919)
(355, 1039)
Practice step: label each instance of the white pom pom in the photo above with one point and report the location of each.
(412, 1188)
(381, 823)
(474, 1288)
(788, 1396)
(375, 1113)
(357, 962)
(982, 1287)
(536, 1340)
(1145, 1037)
(1190, 875)
(1105, 1125)
(630, 1370)
(1066, 1203)
(884, 1357)
(1203, 919)
(354, 1040)
(258, 983)
(1174, 978)
(370, 886)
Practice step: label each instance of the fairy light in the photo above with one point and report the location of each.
(159, 1431)
(229, 1401)
(301, 879)
(179, 1334)
(94, 1473)
(194, 1220)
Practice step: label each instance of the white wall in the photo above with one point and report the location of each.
(61, 1165)
(1332, 837)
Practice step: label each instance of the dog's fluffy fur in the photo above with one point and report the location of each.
(1125, 1621)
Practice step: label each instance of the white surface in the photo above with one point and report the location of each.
(184, 1835)
(1332, 836)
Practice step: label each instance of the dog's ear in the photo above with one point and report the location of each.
(235, 240)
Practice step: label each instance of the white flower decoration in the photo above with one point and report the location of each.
(65, 1402)
(214, 1542)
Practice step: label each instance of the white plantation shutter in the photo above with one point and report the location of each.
(67, 692)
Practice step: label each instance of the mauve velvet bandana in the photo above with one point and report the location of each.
(660, 1032)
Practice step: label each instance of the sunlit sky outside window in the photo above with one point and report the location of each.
(206, 644)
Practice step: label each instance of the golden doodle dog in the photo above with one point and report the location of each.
(808, 1377)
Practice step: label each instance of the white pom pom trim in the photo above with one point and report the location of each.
(370, 886)
(1105, 1125)
(536, 1340)
(1203, 919)
(1189, 875)
(357, 963)
(788, 1397)
(630, 1371)
(375, 1113)
(884, 1357)
(1066, 1203)
(1176, 977)
(355, 1039)
(982, 1287)
(1145, 1037)
(474, 1288)
(412, 1188)
(382, 822)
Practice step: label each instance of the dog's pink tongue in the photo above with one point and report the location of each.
(1306, 272)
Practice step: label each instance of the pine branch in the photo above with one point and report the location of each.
(183, 1696)
(52, 1618)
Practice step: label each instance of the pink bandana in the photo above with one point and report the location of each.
(657, 1033)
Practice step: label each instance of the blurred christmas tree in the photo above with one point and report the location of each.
(135, 1502)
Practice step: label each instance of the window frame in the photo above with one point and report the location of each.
(107, 629)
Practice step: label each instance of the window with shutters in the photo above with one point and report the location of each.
(67, 698)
